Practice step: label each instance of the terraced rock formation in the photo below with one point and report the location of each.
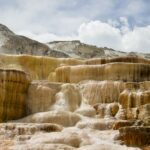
(67, 103)
(73, 103)
(13, 88)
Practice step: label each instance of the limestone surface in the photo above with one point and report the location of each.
(67, 103)
(13, 88)
(135, 136)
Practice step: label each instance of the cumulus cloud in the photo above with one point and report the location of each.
(101, 34)
(111, 34)
(137, 40)
(120, 25)
(47, 37)
(123, 38)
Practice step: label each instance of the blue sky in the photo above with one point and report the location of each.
(120, 24)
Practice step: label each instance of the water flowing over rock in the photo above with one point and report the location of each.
(64, 118)
(48, 68)
(133, 98)
(135, 95)
(49, 103)
(41, 96)
(101, 92)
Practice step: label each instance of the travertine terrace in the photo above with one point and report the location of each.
(67, 95)
(66, 103)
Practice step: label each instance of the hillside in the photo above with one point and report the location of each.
(11, 43)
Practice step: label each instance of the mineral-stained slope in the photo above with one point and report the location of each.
(135, 136)
(40, 67)
(13, 91)
(72, 104)
(112, 71)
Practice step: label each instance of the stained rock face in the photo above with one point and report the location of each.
(74, 70)
(13, 86)
(135, 95)
(101, 91)
(76, 49)
(135, 136)
(131, 59)
(106, 110)
(66, 103)
(39, 67)
(41, 96)
(113, 71)
(144, 114)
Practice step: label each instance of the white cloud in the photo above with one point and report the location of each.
(124, 25)
(106, 35)
(103, 35)
(49, 20)
(40, 16)
(137, 40)
(46, 37)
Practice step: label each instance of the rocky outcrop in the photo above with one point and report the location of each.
(13, 88)
(133, 100)
(101, 91)
(129, 59)
(41, 96)
(124, 123)
(16, 44)
(39, 68)
(11, 43)
(104, 110)
(135, 94)
(113, 71)
(48, 68)
(68, 103)
(144, 114)
(135, 136)
(82, 100)
(77, 49)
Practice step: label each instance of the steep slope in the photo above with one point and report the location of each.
(82, 100)
(10, 43)
(51, 103)
(76, 49)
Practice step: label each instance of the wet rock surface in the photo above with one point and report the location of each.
(13, 88)
(135, 136)
(51, 103)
